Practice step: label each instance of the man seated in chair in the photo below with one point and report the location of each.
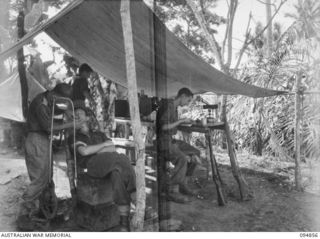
(96, 153)
(175, 151)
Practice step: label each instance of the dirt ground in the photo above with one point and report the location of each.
(276, 205)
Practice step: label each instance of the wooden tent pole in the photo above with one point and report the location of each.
(21, 66)
(138, 219)
(297, 143)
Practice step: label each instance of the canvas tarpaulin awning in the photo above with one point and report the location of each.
(10, 98)
(10, 95)
(91, 31)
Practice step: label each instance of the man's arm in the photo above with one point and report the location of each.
(67, 125)
(45, 118)
(173, 125)
(86, 150)
(110, 147)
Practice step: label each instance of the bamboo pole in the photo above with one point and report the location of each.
(297, 143)
(138, 220)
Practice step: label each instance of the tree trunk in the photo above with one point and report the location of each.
(210, 38)
(138, 219)
(297, 143)
(21, 66)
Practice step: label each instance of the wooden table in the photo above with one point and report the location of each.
(128, 121)
(208, 130)
(198, 127)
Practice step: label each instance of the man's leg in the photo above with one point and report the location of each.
(192, 165)
(177, 175)
(37, 162)
(122, 199)
(122, 176)
(193, 159)
(180, 161)
(182, 158)
(102, 165)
